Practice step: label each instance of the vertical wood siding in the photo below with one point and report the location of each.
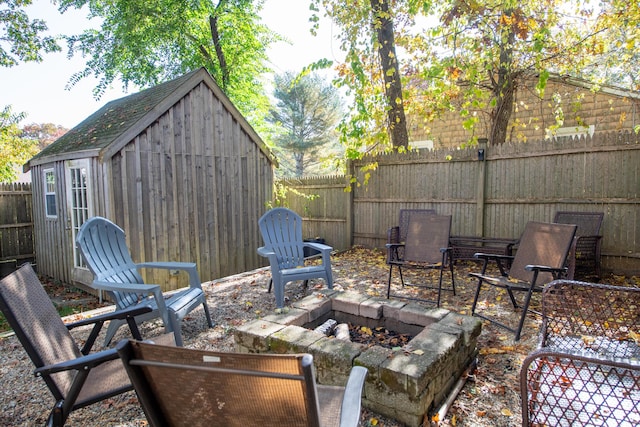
(183, 200)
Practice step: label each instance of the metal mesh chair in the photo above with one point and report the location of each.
(187, 387)
(586, 370)
(540, 258)
(75, 377)
(588, 238)
(426, 246)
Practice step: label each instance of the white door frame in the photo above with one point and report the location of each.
(79, 200)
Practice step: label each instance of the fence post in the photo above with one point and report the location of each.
(482, 172)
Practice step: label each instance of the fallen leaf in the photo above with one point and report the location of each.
(418, 352)
(506, 412)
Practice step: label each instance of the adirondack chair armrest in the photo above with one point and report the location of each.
(266, 252)
(318, 246)
(140, 288)
(189, 267)
(82, 363)
(352, 399)
(325, 250)
(126, 287)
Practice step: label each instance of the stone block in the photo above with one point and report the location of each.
(372, 308)
(293, 339)
(316, 305)
(255, 334)
(333, 359)
(419, 315)
(348, 302)
(391, 309)
(294, 316)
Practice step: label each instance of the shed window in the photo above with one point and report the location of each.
(50, 193)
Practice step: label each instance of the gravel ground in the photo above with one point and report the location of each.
(490, 396)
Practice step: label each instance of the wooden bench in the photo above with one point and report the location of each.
(586, 369)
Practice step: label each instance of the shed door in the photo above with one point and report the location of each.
(79, 201)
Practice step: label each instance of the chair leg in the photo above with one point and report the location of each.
(475, 298)
(278, 290)
(453, 282)
(270, 285)
(207, 314)
(389, 282)
(440, 286)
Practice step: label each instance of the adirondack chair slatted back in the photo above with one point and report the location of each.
(104, 250)
(426, 235)
(542, 244)
(281, 231)
(38, 326)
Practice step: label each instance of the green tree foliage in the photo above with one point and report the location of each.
(14, 150)
(470, 56)
(146, 42)
(306, 112)
(22, 39)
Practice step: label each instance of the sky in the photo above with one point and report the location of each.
(39, 89)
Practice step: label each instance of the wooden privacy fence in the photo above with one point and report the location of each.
(494, 197)
(16, 226)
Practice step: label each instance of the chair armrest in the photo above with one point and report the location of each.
(127, 314)
(139, 288)
(81, 363)
(118, 314)
(352, 399)
(493, 257)
(189, 267)
(532, 267)
(318, 246)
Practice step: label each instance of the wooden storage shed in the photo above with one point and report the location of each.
(176, 166)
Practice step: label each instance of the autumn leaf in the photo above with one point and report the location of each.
(366, 331)
(506, 412)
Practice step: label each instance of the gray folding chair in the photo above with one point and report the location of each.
(75, 377)
(426, 246)
(281, 231)
(187, 387)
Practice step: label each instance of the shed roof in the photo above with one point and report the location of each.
(122, 119)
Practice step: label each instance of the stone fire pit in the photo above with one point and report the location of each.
(404, 384)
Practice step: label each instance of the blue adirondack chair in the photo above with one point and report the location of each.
(281, 231)
(104, 249)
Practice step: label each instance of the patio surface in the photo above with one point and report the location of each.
(490, 396)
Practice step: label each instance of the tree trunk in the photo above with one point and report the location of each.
(299, 158)
(391, 71)
(503, 90)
